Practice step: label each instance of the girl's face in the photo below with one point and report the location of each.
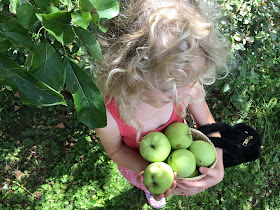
(162, 97)
(158, 99)
(166, 94)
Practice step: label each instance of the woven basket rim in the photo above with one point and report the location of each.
(197, 135)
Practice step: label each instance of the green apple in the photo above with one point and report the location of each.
(155, 147)
(203, 152)
(194, 174)
(182, 161)
(179, 135)
(158, 177)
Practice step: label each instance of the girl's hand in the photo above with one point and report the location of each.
(213, 177)
(158, 197)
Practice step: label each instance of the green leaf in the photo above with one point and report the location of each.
(12, 29)
(87, 98)
(239, 46)
(260, 35)
(32, 91)
(103, 29)
(106, 9)
(63, 17)
(26, 15)
(96, 20)
(13, 5)
(48, 66)
(43, 4)
(250, 39)
(273, 35)
(226, 88)
(81, 19)
(237, 37)
(39, 16)
(90, 42)
(4, 45)
(52, 9)
(254, 74)
(58, 24)
(86, 5)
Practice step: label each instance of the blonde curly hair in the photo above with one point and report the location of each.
(158, 40)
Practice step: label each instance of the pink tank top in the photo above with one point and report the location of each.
(129, 133)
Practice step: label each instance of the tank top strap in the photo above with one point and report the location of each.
(128, 132)
(113, 108)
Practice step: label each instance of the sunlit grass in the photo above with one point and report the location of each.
(67, 168)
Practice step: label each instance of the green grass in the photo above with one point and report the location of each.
(67, 168)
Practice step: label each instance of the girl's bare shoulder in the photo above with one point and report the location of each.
(111, 129)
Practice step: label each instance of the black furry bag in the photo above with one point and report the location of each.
(240, 143)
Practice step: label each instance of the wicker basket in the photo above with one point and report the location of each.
(197, 135)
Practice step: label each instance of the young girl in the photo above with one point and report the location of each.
(158, 56)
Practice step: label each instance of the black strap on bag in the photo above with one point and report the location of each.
(240, 143)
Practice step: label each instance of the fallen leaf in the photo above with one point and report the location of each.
(63, 118)
(19, 174)
(38, 195)
(17, 94)
(10, 192)
(95, 138)
(60, 126)
(7, 168)
(16, 108)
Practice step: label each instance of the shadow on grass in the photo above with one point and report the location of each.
(131, 199)
(53, 158)
(70, 170)
(67, 167)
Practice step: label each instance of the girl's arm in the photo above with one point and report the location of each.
(122, 155)
(118, 151)
(201, 113)
(202, 116)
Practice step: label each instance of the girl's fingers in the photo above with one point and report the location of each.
(208, 171)
(173, 186)
(188, 184)
(141, 173)
(189, 191)
(140, 178)
(169, 191)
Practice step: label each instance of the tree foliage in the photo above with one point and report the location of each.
(45, 46)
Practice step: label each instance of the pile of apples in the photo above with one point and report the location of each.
(174, 150)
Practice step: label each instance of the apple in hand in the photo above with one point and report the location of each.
(194, 174)
(182, 161)
(155, 147)
(158, 177)
(203, 152)
(179, 135)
